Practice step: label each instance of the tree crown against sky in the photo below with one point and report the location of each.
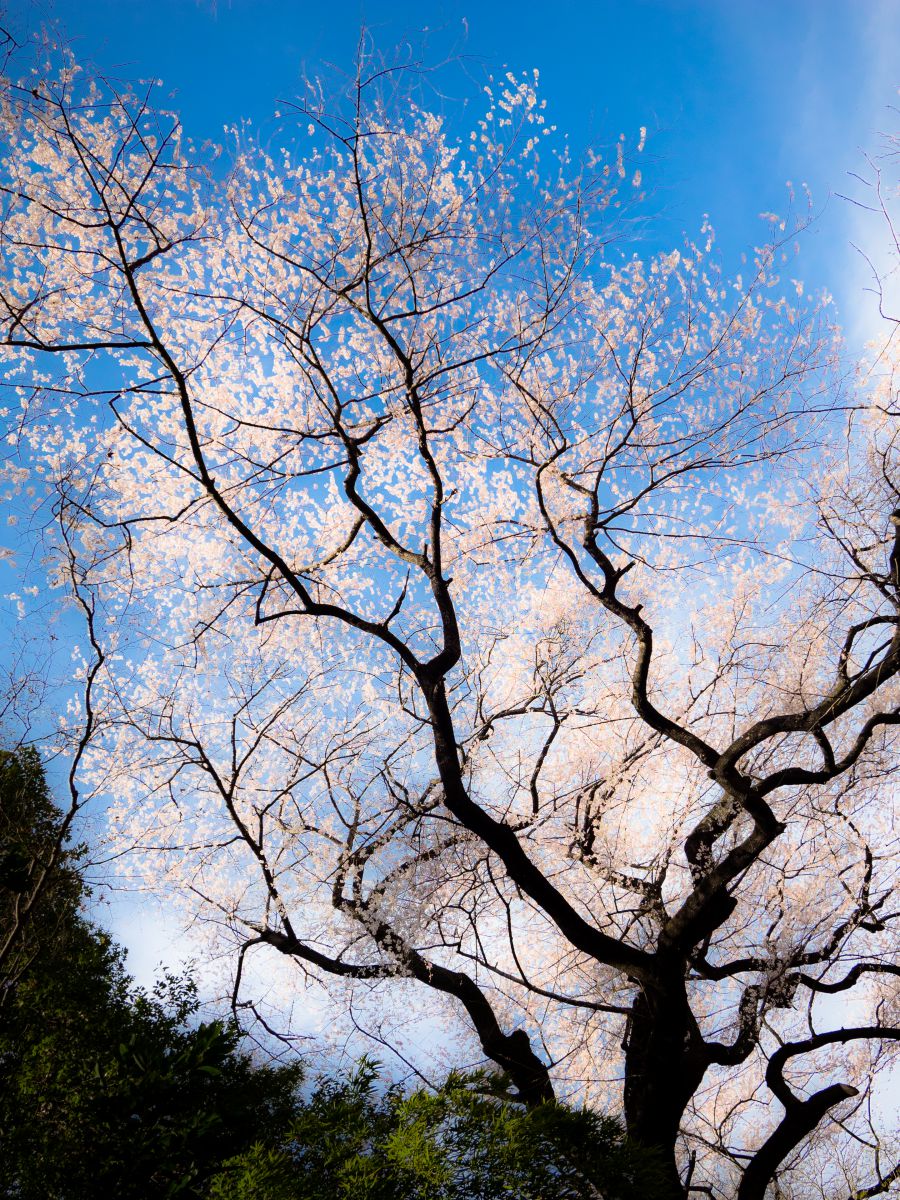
(477, 605)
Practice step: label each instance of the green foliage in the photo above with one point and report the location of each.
(35, 911)
(106, 1091)
(459, 1143)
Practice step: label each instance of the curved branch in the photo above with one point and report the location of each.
(801, 1116)
(850, 979)
(796, 1124)
(511, 1051)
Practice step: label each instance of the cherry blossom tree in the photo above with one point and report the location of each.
(483, 611)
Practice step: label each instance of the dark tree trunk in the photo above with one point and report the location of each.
(664, 1065)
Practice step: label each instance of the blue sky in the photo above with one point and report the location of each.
(738, 98)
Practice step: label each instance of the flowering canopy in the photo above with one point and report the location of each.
(480, 608)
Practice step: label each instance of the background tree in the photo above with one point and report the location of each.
(483, 608)
(30, 840)
(104, 1089)
(39, 878)
(460, 1142)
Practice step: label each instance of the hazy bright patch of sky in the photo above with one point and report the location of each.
(738, 98)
